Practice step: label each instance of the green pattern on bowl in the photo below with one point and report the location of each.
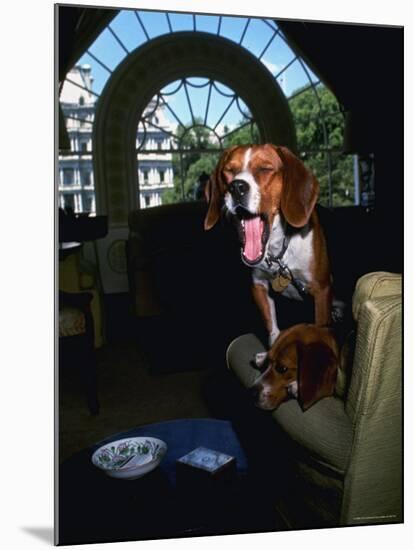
(130, 457)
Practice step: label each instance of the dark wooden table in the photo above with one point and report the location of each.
(94, 507)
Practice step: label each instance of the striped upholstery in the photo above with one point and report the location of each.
(374, 403)
(375, 285)
(77, 276)
(349, 458)
(71, 322)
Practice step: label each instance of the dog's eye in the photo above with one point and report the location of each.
(264, 169)
(281, 369)
(230, 170)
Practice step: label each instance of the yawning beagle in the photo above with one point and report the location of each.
(302, 364)
(270, 195)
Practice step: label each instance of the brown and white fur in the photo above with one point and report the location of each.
(301, 364)
(269, 192)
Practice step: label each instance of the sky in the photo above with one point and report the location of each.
(132, 31)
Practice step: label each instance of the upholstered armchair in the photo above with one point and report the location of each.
(77, 275)
(76, 344)
(343, 456)
(80, 321)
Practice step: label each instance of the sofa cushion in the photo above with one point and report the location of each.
(324, 430)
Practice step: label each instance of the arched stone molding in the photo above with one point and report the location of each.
(147, 70)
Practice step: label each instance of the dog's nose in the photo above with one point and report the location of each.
(238, 188)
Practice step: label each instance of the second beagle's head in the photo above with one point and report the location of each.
(302, 363)
(255, 183)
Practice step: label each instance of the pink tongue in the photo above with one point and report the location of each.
(253, 234)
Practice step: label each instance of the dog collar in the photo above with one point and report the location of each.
(272, 259)
(282, 271)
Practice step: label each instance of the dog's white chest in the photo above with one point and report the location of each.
(297, 257)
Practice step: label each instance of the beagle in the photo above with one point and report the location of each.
(301, 364)
(270, 196)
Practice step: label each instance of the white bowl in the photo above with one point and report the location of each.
(131, 457)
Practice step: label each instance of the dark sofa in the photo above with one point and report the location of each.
(191, 294)
(189, 290)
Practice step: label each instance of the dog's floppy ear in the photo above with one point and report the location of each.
(214, 191)
(213, 199)
(317, 369)
(300, 189)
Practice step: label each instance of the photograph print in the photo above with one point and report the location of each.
(229, 215)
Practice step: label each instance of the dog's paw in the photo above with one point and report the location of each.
(259, 360)
(292, 389)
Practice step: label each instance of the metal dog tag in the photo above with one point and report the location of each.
(280, 282)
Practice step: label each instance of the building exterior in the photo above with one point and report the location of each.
(155, 170)
(76, 180)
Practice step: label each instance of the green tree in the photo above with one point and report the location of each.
(190, 161)
(205, 163)
(310, 134)
(194, 158)
(246, 134)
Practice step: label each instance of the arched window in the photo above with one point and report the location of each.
(197, 118)
(315, 112)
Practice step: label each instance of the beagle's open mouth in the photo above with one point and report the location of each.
(253, 232)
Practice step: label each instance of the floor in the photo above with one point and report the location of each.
(129, 396)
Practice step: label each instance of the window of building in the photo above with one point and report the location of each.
(162, 176)
(86, 178)
(88, 202)
(69, 201)
(68, 176)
